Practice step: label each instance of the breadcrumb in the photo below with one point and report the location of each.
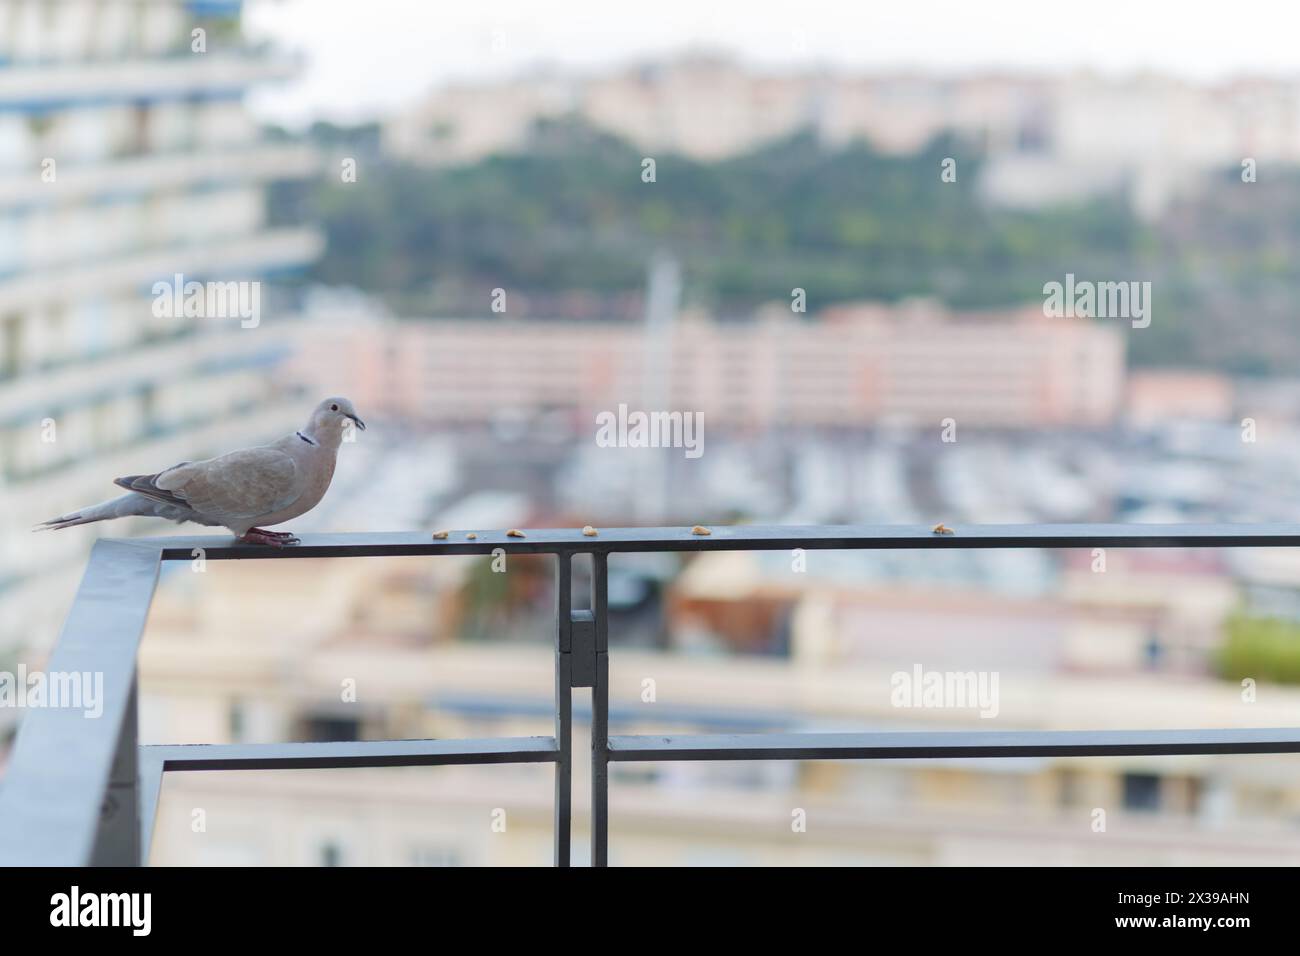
(700, 529)
(515, 533)
(441, 534)
(942, 529)
(589, 531)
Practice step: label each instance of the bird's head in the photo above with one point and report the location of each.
(330, 419)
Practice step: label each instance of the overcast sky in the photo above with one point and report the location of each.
(371, 56)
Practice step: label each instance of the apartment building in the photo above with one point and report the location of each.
(853, 366)
(127, 159)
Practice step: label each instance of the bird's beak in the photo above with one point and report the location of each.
(360, 423)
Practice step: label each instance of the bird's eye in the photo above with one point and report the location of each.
(334, 408)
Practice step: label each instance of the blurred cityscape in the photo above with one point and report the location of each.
(395, 268)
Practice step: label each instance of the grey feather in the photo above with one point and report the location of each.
(122, 507)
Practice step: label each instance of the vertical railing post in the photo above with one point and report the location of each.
(117, 839)
(563, 707)
(600, 712)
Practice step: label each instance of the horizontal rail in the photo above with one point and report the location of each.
(157, 759)
(741, 538)
(368, 753)
(73, 788)
(913, 745)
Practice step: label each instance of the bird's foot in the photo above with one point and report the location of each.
(276, 539)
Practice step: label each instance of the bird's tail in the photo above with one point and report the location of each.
(120, 507)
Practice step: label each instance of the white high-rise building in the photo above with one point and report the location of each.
(127, 158)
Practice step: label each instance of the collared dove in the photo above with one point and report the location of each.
(241, 491)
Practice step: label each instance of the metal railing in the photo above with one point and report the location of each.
(84, 791)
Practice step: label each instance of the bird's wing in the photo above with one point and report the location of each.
(243, 484)
(144, 484)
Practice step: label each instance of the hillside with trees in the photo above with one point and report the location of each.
(570, 221)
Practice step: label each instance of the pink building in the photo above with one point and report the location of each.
(855, 365)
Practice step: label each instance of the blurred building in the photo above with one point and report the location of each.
(1117, 612)
(1148, 137)
(1159, 397)
(126, 159)
(851, 366)
(1048, 139)
(709, 107)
